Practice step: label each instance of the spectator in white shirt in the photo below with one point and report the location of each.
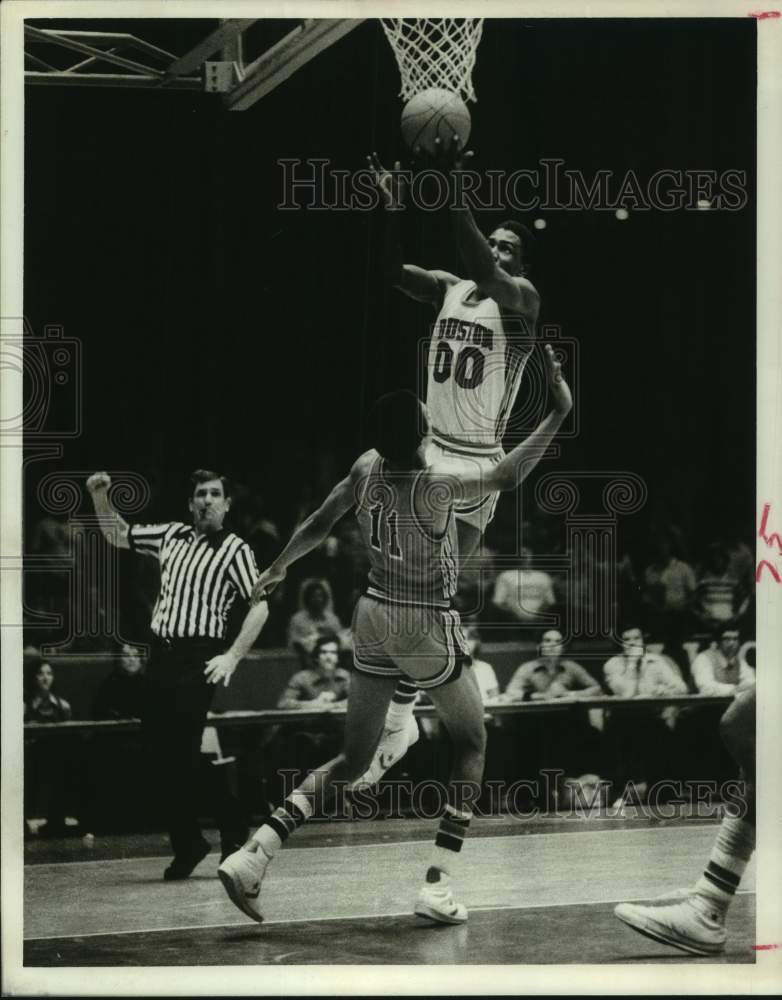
(483, 672)
(644, 744)
(720, 669)
(524, 593)
(639, 674)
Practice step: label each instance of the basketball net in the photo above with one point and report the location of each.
(435, 52)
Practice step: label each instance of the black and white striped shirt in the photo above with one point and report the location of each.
(200, 577)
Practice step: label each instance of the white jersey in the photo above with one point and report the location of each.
(476, 360)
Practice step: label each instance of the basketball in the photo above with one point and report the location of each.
(434, 114)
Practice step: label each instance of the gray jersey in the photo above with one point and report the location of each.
(409, 562)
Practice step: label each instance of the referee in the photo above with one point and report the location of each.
(202, 569)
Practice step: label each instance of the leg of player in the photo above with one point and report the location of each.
(696, 924)
(459, 706)
(400, 731)
(243, 871)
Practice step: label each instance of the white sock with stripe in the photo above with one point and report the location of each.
(401, 708)
(448, 843)
(729, 857)
(272, 834)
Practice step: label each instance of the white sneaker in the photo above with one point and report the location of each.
(436, 902)
(394, 744)
(685, 925)
(241, 874)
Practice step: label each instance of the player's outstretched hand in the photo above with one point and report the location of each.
(448, 155)
(267, 581)
(560, 391)
(98, 481)
(390, 183)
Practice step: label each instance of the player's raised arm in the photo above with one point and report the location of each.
(514, 468)
(314, 530)
(415, 282)
(494, 264)
(512, 292)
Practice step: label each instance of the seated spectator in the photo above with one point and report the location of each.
(48, 770)
(719, 598)
(721, 669)
(551, 676)
(522, 594)
(41, 704)
(315, 619)
(637, 673)
(644, 746)
(321, 686)
(120, 694)
(565, 742)
(484, 673)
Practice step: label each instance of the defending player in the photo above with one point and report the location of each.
(403, 627)
(696, 924)
(481, 339)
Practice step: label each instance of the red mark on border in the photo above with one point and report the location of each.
(763, 14)
(772, 540)
(765, 947)
(764, 563)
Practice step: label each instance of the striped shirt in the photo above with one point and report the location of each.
(200, 577)
(718, 596)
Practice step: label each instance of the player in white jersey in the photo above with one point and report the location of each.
(481, 339)
(480, 343)
(403, 626)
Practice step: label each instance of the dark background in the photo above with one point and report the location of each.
(217, 331)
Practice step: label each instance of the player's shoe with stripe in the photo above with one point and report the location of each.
(436, 902)
(241, 874)
(393, 745)
(690, 925)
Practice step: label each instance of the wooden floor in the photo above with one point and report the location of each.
(342, 893)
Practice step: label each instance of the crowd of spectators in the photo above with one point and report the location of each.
(678, 595)
(675, 595)
(690, 626)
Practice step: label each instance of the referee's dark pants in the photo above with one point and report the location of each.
(177, 698)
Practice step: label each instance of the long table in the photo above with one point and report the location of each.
(291, 716)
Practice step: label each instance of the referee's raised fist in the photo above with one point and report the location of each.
(98, 481)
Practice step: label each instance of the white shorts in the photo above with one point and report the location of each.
(424, 644)
(479, 512)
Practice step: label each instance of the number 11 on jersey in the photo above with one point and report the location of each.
(378, 515)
